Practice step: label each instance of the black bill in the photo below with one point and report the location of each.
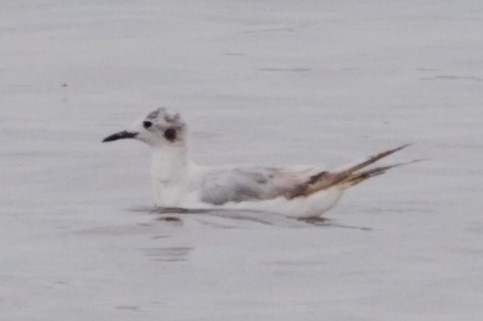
(121, 135)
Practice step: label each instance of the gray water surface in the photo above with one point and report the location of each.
(264, 82)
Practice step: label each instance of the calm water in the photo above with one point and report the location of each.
(286, 82)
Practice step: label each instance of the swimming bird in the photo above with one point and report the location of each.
(180, 183)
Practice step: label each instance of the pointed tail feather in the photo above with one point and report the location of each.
(350, 176)
(372, 160)
(359, 177)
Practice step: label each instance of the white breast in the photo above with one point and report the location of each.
(175, 181)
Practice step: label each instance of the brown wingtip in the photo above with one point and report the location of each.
(325, 180)
(374, 158)
(359, 177)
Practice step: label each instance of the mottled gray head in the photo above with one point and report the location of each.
(162, 127)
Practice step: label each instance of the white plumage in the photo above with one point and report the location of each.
(294, 192)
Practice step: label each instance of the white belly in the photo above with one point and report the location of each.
(301, 207)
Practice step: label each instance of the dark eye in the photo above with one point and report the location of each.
(147, 124)
(170, 134)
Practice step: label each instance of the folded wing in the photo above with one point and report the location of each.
(260, 183)
(253, 183)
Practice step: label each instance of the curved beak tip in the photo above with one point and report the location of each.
(121, 135)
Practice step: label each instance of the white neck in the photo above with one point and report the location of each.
(170, 172)
(170, 163)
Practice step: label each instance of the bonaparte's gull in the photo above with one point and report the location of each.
(294, 192)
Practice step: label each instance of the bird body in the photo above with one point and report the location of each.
(180, 183)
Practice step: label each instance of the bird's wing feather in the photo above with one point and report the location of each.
(259, 183)
(251, 183)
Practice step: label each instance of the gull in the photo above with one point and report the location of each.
(180, 183)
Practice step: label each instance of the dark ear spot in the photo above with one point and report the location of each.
(147, 124)
(170, 134)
